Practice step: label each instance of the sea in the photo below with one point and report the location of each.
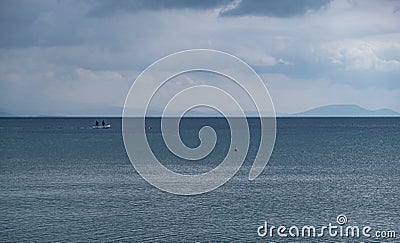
(63, 181)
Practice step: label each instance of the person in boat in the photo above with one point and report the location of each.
(103, 123)
(97, 123)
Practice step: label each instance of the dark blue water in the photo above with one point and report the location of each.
(63, 181)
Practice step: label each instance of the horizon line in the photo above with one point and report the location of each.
(278, 116)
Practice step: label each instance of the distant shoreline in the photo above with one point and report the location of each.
(189, 117)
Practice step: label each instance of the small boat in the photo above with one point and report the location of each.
(101, 127)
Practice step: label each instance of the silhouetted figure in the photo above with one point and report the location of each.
(97, 123)
(103, 123)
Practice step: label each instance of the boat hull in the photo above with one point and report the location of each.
(102, 127)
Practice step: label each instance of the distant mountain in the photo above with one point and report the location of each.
(209, 113)
(79, 110)
(347, 111)
(6, 114)
(190, 113)
(105, 110)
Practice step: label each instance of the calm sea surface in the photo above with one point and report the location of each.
(61, 180)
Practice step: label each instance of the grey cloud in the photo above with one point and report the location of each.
(281, 8)
(109, 7)
(65, 23)
(40, 23)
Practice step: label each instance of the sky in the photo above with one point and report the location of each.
(81, 57)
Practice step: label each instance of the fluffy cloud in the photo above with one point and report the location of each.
(372, 54)
(282, 8)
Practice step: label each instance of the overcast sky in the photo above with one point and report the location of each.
(81, 57)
